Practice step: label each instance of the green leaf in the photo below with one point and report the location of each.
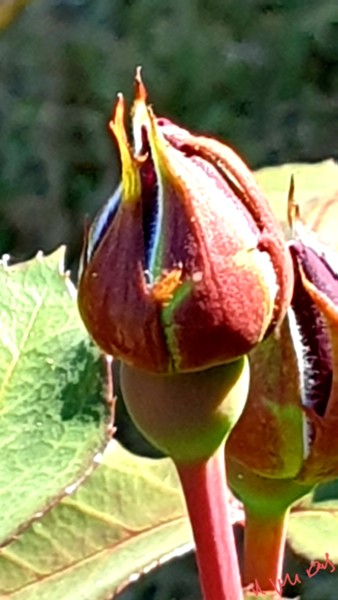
(313, 531)
(54, 416)
(312, 182)
(127, 517)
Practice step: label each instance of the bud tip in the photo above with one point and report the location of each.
(293, 207)
(130, 178)
(140, 90)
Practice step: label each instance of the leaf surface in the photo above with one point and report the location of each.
(126, 518)
(314, 185)
(313, 531)
(53, 411)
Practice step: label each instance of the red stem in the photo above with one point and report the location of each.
(264, 548)
(204, 486)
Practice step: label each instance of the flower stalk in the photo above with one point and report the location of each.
(267, 503)
(204, 487)
(264, 545)
(189, 417)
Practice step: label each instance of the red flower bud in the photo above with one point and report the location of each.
(185, 267)
(288, 429)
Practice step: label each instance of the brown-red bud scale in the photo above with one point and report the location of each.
(186, 267)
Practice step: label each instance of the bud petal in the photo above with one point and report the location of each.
(320, 283)
(186, 268)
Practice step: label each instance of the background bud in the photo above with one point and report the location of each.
(288, 428)
(185, 268)
(268, 439)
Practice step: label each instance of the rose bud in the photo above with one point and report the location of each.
(267, 448)
(185, 268)
(288, 428)
(285, 441)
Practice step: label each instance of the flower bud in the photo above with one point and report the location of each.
(185, 268)
(288, 428)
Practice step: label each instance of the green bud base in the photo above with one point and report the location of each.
(187, 415)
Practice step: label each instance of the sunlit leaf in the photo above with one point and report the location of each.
(53, 411)
(313, 531)
(315, 188)
(127, 517)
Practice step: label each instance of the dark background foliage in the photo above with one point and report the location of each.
(261, 74)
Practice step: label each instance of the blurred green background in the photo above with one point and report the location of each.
(262, 75)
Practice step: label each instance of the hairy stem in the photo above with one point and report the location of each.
(204, 486)
(264, 547)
